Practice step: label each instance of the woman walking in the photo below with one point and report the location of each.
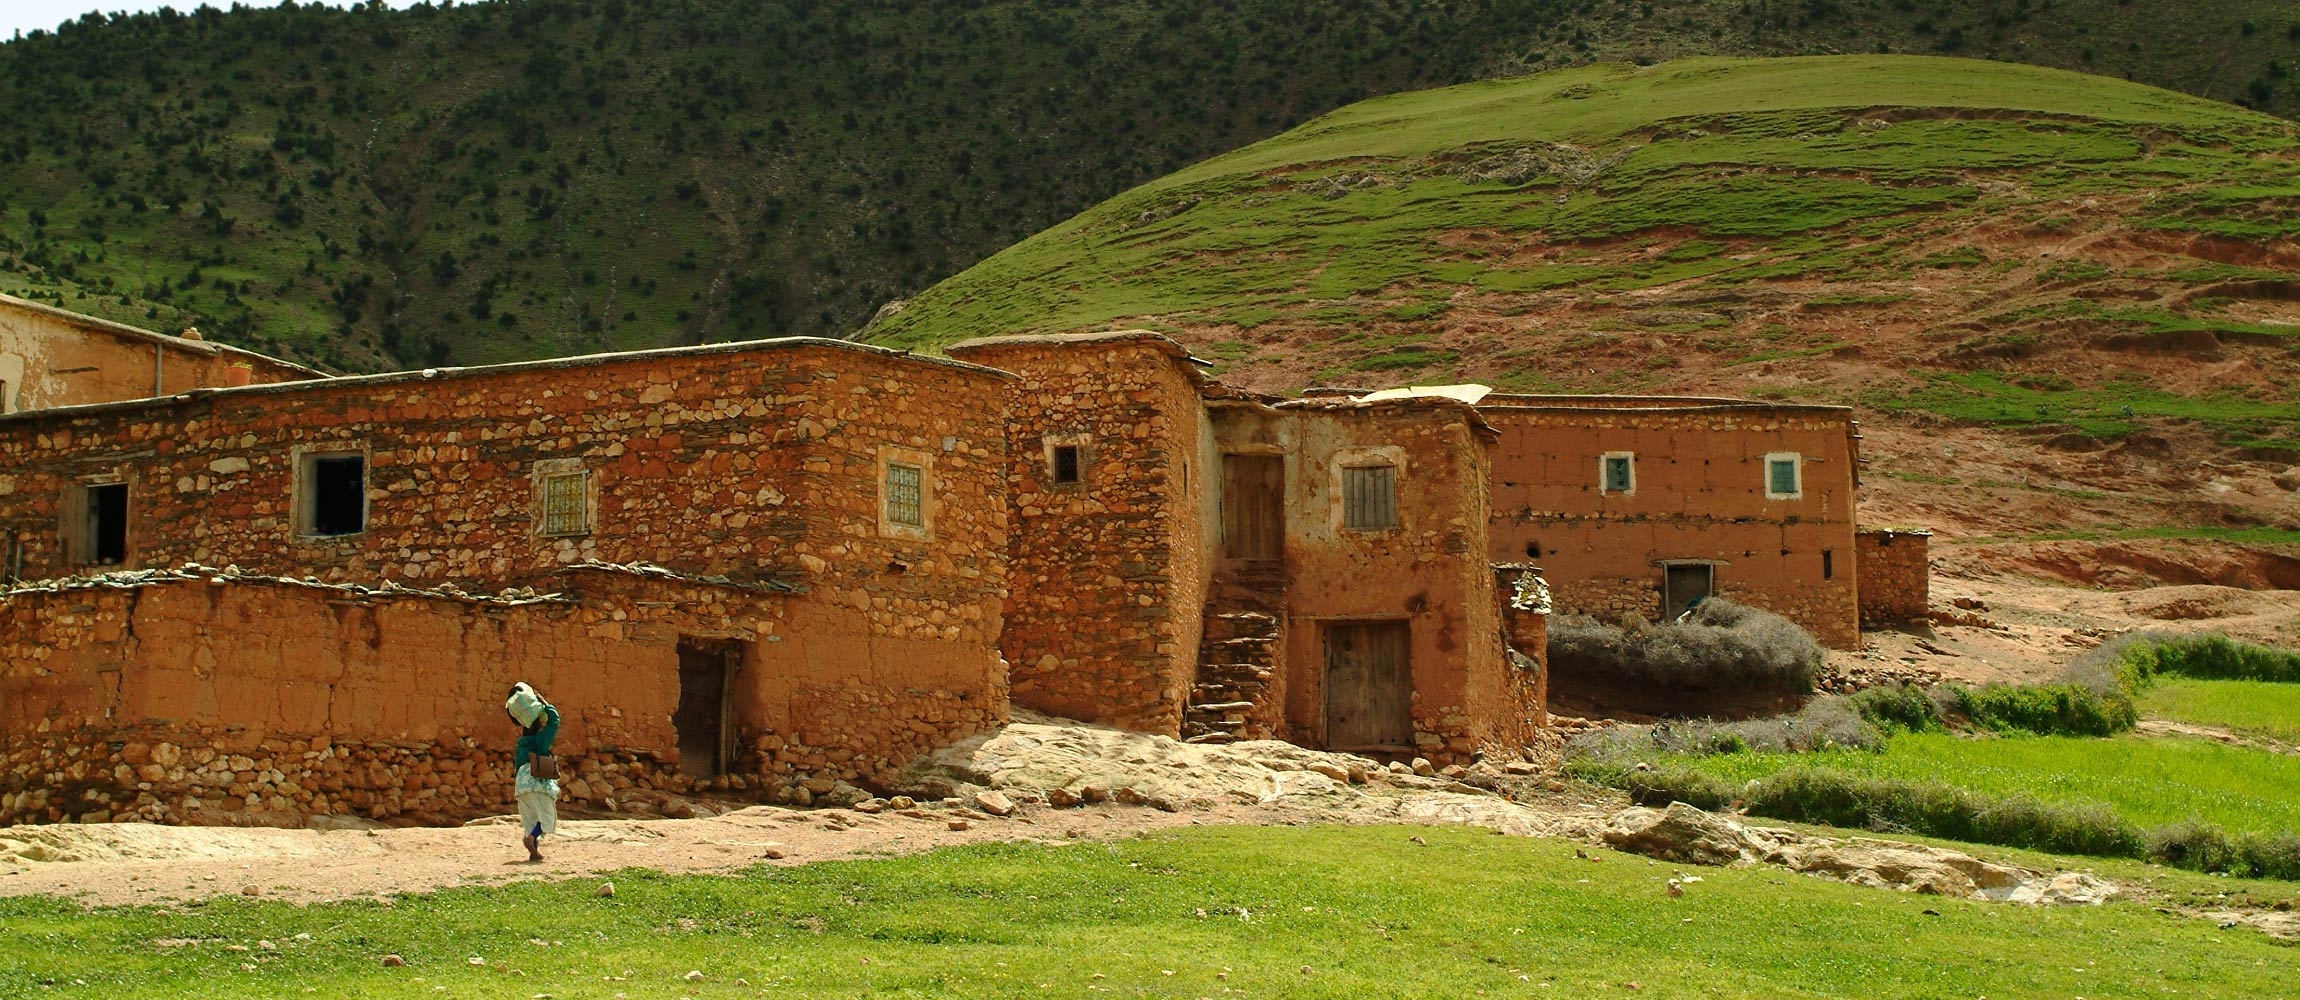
(535, 772)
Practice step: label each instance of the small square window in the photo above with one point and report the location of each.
(1369, 498)
(334, 498)
(1065, 465)
(96, 528)
(566, 503)
(905, 495)
(1617, 473)
(1784, 476)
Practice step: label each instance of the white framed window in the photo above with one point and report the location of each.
(1369, 497)
(1617, 472)
(563, 501)
(1784, 475)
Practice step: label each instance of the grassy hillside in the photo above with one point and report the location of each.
(2092, 276)
(488, 181)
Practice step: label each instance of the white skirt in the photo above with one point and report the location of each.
(538, 803)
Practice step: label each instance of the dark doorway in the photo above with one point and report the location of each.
(705, 668)
(1253, 506)
(108, 524)
(1683, 586)
(1369, 686)
(339, 495)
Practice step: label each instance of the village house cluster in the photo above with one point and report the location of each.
(242, 592)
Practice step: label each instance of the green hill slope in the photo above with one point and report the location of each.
(487, 181)
(2089, 275)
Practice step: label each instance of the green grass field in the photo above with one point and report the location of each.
(1275, 912)
(2260, 708)
(2148, 781)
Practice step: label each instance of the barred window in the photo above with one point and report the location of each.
(1619, 474)
(566, 506)
(904, 495)
(1369, 498)
(1783, 476)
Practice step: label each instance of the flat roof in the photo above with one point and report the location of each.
(429, 374)
(118, 329)
(1162, 341)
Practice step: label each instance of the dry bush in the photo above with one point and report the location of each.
(1722, 647)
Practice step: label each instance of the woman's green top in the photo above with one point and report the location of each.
(538, 741)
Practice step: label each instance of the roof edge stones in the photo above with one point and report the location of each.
(546, 364)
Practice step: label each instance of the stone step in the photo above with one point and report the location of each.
(1221, 706)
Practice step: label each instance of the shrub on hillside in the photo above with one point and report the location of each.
(2065, 709)
(1722, 646)
(1825, 723)
(2046, 709)
(2135, 659)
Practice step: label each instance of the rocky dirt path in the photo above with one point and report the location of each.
(1033, 782)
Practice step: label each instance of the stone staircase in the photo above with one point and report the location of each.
(1236, 696)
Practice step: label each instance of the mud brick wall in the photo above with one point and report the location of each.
(1431, 571)
(238, 702)
(1896, 574)
(1699, 496)
(1108, 575)
(754, 461)
(51, 357)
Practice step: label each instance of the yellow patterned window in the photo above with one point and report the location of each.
(903, 495)
(566, 507)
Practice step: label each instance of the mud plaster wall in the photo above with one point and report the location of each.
(757, 464)
(53, 358)
(1896, 574)
(1699, 496)
(1108, 575)
(265, 703)
(1431, 571)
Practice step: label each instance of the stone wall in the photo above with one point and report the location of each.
(1699, 495)
(194, 699)
(50, 357)
(1896, 574)
(755, 462)
(1103, 616)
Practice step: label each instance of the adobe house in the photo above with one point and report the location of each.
(1192, 560)
(777, 564)
(1636, 505)
(52, 357)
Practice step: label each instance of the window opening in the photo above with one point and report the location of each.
(1620, 475)
(338, 495)
(1828, 564)
(1066, 463)
(905, 495)
(107, 525)
(566, 507)
(1369, 498)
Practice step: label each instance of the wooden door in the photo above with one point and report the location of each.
(1253, 506)
(1369, 686)
(1682, 586)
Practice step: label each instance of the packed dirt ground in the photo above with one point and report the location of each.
(1039, 781)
